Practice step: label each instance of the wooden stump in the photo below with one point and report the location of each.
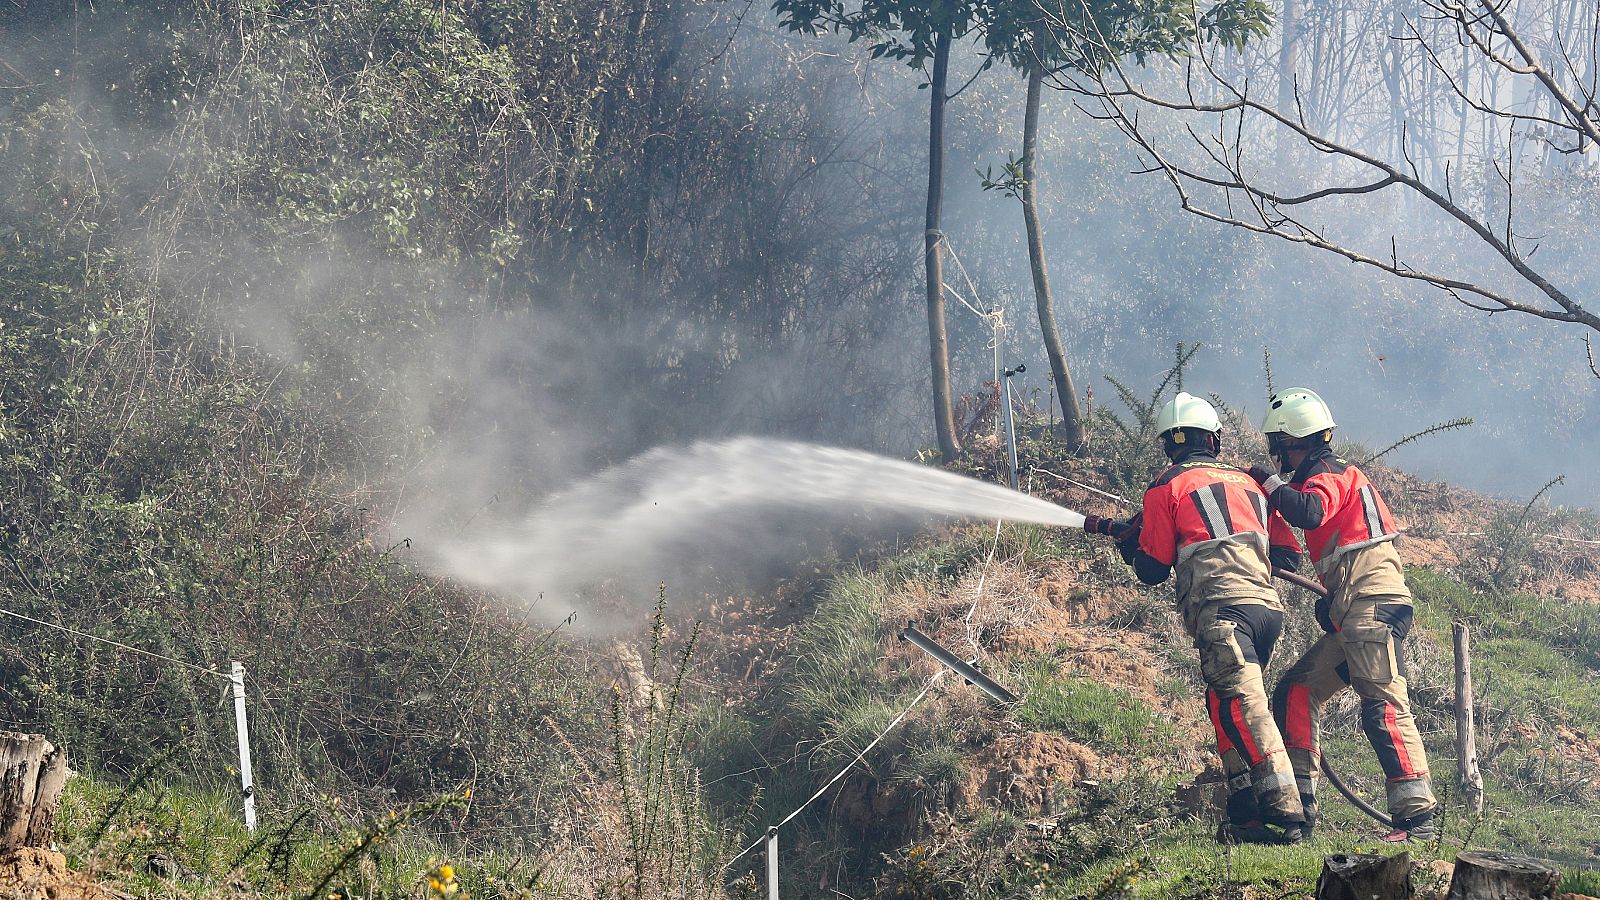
(32, 773)
(1501, 876)
(1365, 876)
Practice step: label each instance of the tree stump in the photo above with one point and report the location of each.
(1501, 876)
(32, 773)
(1365, 876)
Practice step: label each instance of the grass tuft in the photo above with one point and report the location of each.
(1084, 710)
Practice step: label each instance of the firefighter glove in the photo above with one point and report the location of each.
(1324, 611)
(1269, 481)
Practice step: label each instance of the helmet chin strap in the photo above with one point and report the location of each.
(1179, 440)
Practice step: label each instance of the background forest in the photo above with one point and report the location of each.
(292, 294)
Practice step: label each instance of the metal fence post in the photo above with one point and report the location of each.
(1011, 426)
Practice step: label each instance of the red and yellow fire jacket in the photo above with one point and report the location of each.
(1349, 529)
(1213, 524)
(1337, 506)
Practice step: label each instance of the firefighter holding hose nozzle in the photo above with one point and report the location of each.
(1366, 613)
(1211, 523)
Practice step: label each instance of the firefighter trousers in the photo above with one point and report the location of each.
(1364, 653)
(1235, 642)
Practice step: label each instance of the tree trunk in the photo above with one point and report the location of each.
(1365, 876)
(1491, 876)
(944, 417)
(32, 773)
(1071, 412)
(1466, 731)
(1288, 57)
(1392, 63)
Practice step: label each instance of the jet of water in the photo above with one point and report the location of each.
(678, 510)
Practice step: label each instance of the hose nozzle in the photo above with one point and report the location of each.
(1109, 527)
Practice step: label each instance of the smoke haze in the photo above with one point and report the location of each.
(782, 299)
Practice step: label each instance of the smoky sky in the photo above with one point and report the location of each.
(483, 414)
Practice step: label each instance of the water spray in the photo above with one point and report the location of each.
(672, 514)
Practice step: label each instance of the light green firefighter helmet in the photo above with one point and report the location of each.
(1297, 412)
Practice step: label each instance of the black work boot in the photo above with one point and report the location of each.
(1309, 823)
(1308, 804)
(1417, 828)
(1253, 832)
(1293, 830)
(1258, 832)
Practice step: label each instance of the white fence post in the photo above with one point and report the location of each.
(772, 863)
(246, 776)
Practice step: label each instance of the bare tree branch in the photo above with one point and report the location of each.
(1579, 114)
(1223, 158)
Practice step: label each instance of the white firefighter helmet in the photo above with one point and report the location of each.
(1187, 411)
(1297, 412)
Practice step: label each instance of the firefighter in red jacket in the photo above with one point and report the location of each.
(1366, 614)
(1211, 522)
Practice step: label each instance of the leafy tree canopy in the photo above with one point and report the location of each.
(1089, 35)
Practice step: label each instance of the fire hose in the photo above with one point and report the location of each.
(1120, 531)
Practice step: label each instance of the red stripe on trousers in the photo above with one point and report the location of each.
(1297, 718)
(1213, 708)
(1252, 753)
(1394, 736)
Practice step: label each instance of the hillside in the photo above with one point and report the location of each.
(1101, 781)
(1104, 769)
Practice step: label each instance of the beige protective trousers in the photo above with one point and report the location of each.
(1362, 653)
(1235, 642)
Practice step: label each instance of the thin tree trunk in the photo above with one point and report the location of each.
(944, 418)
(1288, 57)
(1071, 412)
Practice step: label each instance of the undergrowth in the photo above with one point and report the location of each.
(1085, 710)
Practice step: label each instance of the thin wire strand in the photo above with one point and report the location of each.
(996, 316)
(844, 771)
(1090, 488)
(1553, 537)
(130, 648)
(977, 595)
